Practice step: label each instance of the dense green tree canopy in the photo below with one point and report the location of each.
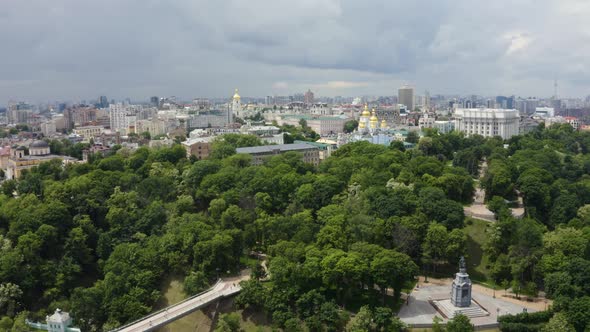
(98, 239)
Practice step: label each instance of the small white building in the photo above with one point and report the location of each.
(544, 112)
(60, 321)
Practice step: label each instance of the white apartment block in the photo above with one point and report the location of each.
(487, 122)
(48, 128)
(154, 126)
(121, 118)
(444, 127)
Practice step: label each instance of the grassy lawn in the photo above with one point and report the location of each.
(254, 321)
(172, 292)
(477, 261)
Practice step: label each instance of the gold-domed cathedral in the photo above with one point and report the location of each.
(369, 123)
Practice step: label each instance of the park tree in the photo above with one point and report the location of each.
(393, 269)
(460, 323)
(10, 295)
(558, 323)
(195, 283)
(412, 137)
(350, 126)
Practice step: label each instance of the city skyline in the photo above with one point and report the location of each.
(67, 50)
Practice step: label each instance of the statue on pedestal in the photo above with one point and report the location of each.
(461, 288)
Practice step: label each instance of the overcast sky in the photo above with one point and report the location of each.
(80, 49)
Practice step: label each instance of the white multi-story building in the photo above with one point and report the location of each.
(444, 127)
(426, 121)
(154, 126)
(121, 118)
(48, 128)
(544, 112)
(89, 132)
(323, 125)
(487, 122)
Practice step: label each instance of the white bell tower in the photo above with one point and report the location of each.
(236, 105)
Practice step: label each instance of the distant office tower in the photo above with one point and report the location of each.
(269, 100)
(506, 102)
(487, 122)
(527, 106)
(155, 101)
(103, 102)
(426, 101)
(405, 96)
(490, 103)
(309, 98)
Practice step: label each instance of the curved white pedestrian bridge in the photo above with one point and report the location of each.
(221, 289)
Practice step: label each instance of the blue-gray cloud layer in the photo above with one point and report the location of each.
(78, 49)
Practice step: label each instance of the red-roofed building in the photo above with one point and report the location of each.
(573, 121)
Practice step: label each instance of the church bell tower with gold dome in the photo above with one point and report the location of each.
(373, 122)
(364, 120)
(236, 105)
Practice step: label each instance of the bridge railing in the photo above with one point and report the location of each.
(168, 307)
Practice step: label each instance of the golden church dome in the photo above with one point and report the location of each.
(366, 111)
(236, 95)
(374, 117)
(362, 125)
(383, 124)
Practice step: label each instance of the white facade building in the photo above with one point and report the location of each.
(544, 112)
(487, 122)
(120, 118)
(89, 132)
(48, 128)
(444, 127)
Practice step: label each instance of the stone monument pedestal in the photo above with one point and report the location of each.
(447, 309)
(461, 289)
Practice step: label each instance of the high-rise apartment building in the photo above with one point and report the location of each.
(19, 112)
(79, 116)
(120, 118)
(405, 96)
(487, 122)
(308, 98)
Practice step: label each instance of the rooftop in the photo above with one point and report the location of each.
(47, 157)
(59, 317)
(280, 147)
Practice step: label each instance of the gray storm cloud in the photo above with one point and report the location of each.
(78, 49)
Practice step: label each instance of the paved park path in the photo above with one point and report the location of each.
(538, 304)
(479, 210)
